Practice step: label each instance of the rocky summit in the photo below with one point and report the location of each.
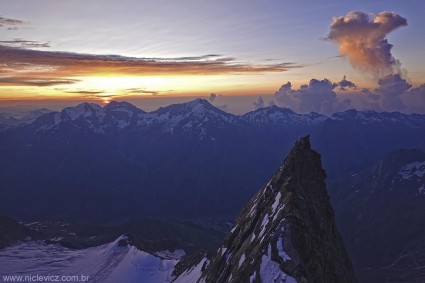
(287, 231)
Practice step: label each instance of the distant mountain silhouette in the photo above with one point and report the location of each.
(186, 161)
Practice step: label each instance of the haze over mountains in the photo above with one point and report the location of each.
(286, 233)
(124, 162)
(9, 119)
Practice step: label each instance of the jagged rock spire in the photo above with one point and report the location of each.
(287, 231)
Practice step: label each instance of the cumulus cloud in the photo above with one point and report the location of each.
(391, 89)
(212, 97)
(418, 91)
(396, 94)
(345, 84)
(271, 103)
(316, 96)
(416, 102)
(393, 93)
(362, 38)
(259, 103)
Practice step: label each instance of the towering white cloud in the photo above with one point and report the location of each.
(317, 96)
(362, 38)
(259, 103)
(417, 99)
(391, 90)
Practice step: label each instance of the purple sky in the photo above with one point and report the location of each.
(152, 53)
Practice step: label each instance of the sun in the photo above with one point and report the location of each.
(105, 99)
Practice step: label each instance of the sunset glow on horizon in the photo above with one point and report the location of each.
(103, 51)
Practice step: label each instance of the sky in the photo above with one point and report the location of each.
(322, 56)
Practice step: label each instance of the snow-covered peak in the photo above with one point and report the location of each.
(194, 116)
(89, 114)
(373, 117)
(317, 117)
(362, 116)
(200, 105)
(85, 110)
(282, 116)
(197, 107)
(122, 107)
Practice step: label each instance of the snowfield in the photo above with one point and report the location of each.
(107, 263)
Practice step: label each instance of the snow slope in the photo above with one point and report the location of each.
(112, 262)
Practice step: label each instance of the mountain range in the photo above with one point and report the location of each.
(185, 161)
(8, 119)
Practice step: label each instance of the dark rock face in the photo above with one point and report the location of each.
(287, 231)
(188, 262)
(12, 232)
(381, 215)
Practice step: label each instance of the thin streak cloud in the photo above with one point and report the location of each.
(28, 81)
(68, 64)
(86, 92)
(17, 42)
(137, 91)
(10, 22)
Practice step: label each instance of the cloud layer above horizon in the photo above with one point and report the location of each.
(132, 61)
(392, 94)
(23, 66)
(362, 39)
